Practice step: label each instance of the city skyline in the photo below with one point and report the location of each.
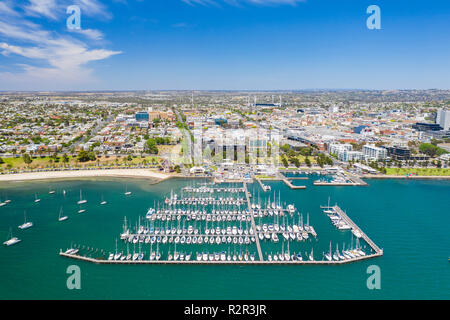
(223, 45)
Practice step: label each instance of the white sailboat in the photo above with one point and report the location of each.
(12, 240)
(81, 199)
(3, 203)
(127, 193)
(117, 255)
(26, 224)
(36, 199)
(328, 255)
(61, 217)
(51, 191)
(103, 201)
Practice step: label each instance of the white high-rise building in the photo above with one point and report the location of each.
(372, 152)
(443, 118)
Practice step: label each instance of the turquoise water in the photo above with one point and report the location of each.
(409, 219)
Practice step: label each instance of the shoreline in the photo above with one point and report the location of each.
(74, 174)
(374, 176)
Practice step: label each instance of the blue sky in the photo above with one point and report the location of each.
(224, 44)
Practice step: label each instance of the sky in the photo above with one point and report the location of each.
(224, 45)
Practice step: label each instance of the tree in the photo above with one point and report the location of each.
(285, 161)
(84, 156)
(285, 148)
(26, 158)
(65, 158)
(308, 162)
(151, 147)
(1, 161)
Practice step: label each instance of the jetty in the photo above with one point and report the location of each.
(101, 260)
(258, 245)
(350, 222)
(289, 183)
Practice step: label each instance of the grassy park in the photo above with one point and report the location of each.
(418, 171)
(44, 162)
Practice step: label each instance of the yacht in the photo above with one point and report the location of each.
(291, 208)
(61, 217)
(26, 224)
(328, 254)
(12, 240)
(81, 199)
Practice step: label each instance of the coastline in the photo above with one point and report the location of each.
(374, 176)
(123, 173)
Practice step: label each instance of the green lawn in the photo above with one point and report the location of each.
(418, 172)
(47, 162)
(263, 176)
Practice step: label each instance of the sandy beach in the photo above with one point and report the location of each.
(136, 173)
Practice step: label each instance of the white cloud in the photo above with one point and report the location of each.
(54, 9)
(51, 60)
(89, 33)
(46, 8)
(6, 8)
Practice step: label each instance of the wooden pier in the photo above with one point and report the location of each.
(336, 184)
(195, 262)
(258, 245)
(350, 222)
(288, 183)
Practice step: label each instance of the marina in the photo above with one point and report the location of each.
(211, 224)
(93, 236)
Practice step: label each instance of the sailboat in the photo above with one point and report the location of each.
(81, 210)
(127, 193)
(81, 199)
(117, 255)
(328, 209)
(12, 240)
(328, 255)
(36, 198)
(61, 217)
(26, 224)
(50, 191)
(103, 201)
(2, 203)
